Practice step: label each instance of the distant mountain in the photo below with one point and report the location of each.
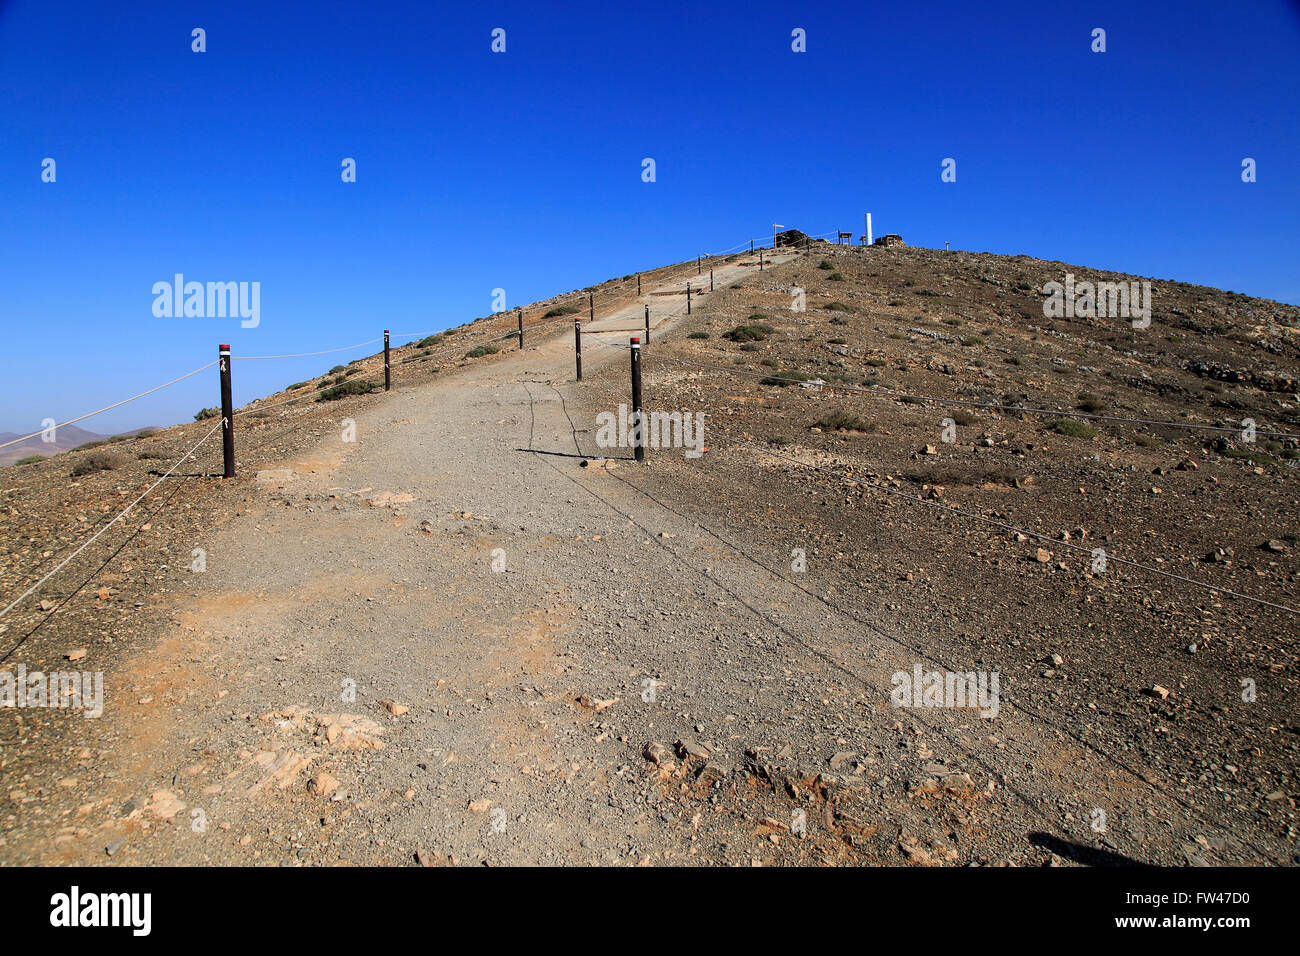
(66, 438)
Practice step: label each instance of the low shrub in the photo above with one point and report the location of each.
(842, 421)
(788, 377)
(97, 461)
(350, 387)
(748, 333)
(1072, 427)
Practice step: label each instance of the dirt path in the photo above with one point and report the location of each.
(466, 641)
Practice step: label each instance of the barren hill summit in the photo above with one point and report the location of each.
(457, 622)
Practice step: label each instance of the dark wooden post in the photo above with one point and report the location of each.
(577, 345)
(751, 247)
(760, 260)
(520, 313)
(688, 298)
(710, 280)
(638, 415)
(227, 413)
(698, 267)
(638, 283)
(388, 378)
(647, 324)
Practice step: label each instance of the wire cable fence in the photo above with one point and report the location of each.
(885, 392)
(968, 513)
(125, 401)
(116, 518)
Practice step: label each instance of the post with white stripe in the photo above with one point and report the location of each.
(388, 379)
(520, 313)
(638, 417)
(577, 346)
(227, 413)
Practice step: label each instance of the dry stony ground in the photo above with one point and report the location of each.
(649, 680)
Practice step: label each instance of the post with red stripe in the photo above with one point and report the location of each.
(577, 346)
(388, 379)
(638, 417)
(227, 413)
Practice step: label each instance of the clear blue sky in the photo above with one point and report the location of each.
(522, 170)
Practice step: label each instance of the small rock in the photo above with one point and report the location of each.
(323, 784)
(164, 804)
(843, 760)
(710, 772)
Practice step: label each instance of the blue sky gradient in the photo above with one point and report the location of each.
(522, 170)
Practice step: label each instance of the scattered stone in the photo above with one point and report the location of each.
(689, 750)
(844, 760)
(164, 805)
(710, 773)
(394, 708)
(323, 784)
(350, 731)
